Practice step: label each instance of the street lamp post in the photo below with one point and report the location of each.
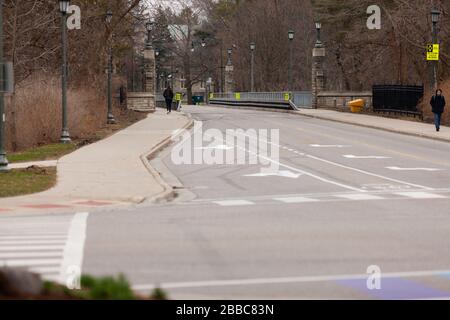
(110, 117)
(291, 38)
(149, 26)
(252, 67)
(3, 159)
(63, 8)
(435, 19)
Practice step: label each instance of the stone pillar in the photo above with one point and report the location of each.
(229, 79)
(150, 73)
(318, 76)
(229, 74)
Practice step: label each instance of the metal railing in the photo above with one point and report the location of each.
(286, 100)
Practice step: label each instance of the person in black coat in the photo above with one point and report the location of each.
(438, 105)
(168, 95)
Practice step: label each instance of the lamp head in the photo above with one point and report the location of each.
(109, 16)
(64, 6)
(318, 25)
(291, 35)
(435, 13)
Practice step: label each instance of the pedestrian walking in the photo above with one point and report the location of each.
(168, 96)
(438, 105)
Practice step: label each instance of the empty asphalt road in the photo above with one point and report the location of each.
(343, 198)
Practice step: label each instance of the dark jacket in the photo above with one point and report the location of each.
(438, 103)
(168, 94)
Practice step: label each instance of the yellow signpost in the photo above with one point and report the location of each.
(178, 97)
(238, 96)
(287, 96)
(433, 52)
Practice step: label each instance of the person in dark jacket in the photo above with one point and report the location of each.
(168, 95)
(438, 105)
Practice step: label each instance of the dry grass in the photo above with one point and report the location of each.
(37, 113)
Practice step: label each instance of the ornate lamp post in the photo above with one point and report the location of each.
(252, 67)
(435, 19)
(291, 39)
(110, 117)
(3, 159)
(63, 8)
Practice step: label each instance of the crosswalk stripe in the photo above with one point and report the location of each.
(46, 270)
(30, 248)
(27, 241)
(359, 196)
(421, 195)
(28, 254)
(30, 262)
(231, 203)
(296, 200)
(32, 238)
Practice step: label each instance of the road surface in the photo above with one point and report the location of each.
(344, 198)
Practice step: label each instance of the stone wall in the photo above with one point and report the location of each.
(141, 101)
(340, 100)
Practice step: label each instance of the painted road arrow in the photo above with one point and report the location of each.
(281, 173)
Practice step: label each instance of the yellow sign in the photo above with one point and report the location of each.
(287, 96)
(433, 52)
(211, 95)
(238, 96)
(178, 97)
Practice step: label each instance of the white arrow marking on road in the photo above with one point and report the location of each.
(413, 169)
(281, 173)
(350, 156)
(328, 146)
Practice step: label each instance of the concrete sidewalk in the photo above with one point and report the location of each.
(426, 130)
(109, 172)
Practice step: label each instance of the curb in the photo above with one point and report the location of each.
(299, 113)
(168, 193)
(411, 134)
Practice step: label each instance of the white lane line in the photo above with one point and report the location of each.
(413, 169)
(20, 255)
(421, 195)
(30, 262)
(359, 197)
(329, 146)
(73, 251)
(351, 156)
(300, 171)
(232, 203)
(260, 281)
(356, 170)
(296, 200)
(31, 248)
(30, 242)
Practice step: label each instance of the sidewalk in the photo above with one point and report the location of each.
(113, 171)
(419, 129)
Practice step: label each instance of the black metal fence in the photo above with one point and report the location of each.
(397, 99)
